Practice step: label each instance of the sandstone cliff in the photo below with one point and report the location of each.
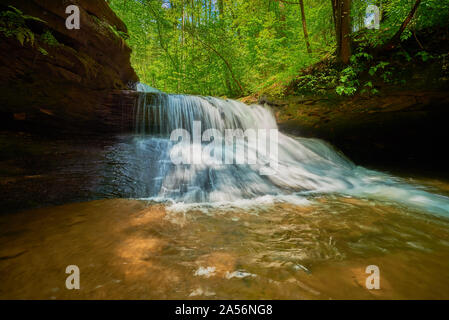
(58, 80)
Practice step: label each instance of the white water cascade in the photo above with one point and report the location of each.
(305, 166)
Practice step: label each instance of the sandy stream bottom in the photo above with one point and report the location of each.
(131, 249)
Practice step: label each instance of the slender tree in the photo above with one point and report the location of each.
(303, 20)
(342, 18)
(397, 37)
(304, 26)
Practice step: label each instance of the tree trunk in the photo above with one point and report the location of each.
(210, 11)
(282, 19)
(304, 26)
(342, 16)
(397, 37)
(337, 22)
(345, 53)
(220, 8)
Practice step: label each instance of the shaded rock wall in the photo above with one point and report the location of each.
(69, 86)
(401, 130)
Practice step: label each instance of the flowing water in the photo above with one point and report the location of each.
(304, 166)
(214, 230)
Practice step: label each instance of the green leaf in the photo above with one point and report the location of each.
(15, 10)
(340, 90)
(20, 37)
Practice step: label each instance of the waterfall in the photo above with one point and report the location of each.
(304, 166)
(142, 87)
(162, 113)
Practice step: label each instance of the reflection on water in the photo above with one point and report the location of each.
(136, 250)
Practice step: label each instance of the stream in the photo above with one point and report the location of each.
(299, 222)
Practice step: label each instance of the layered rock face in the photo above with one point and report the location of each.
(62, 80)
(404, 131)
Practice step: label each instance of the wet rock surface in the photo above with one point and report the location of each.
(38, 171)
(66, 84)
(399, 130)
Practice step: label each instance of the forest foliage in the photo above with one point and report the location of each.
(239, 47)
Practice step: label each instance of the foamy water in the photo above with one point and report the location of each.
(306, 167)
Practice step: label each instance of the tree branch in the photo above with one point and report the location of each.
(397, 37)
